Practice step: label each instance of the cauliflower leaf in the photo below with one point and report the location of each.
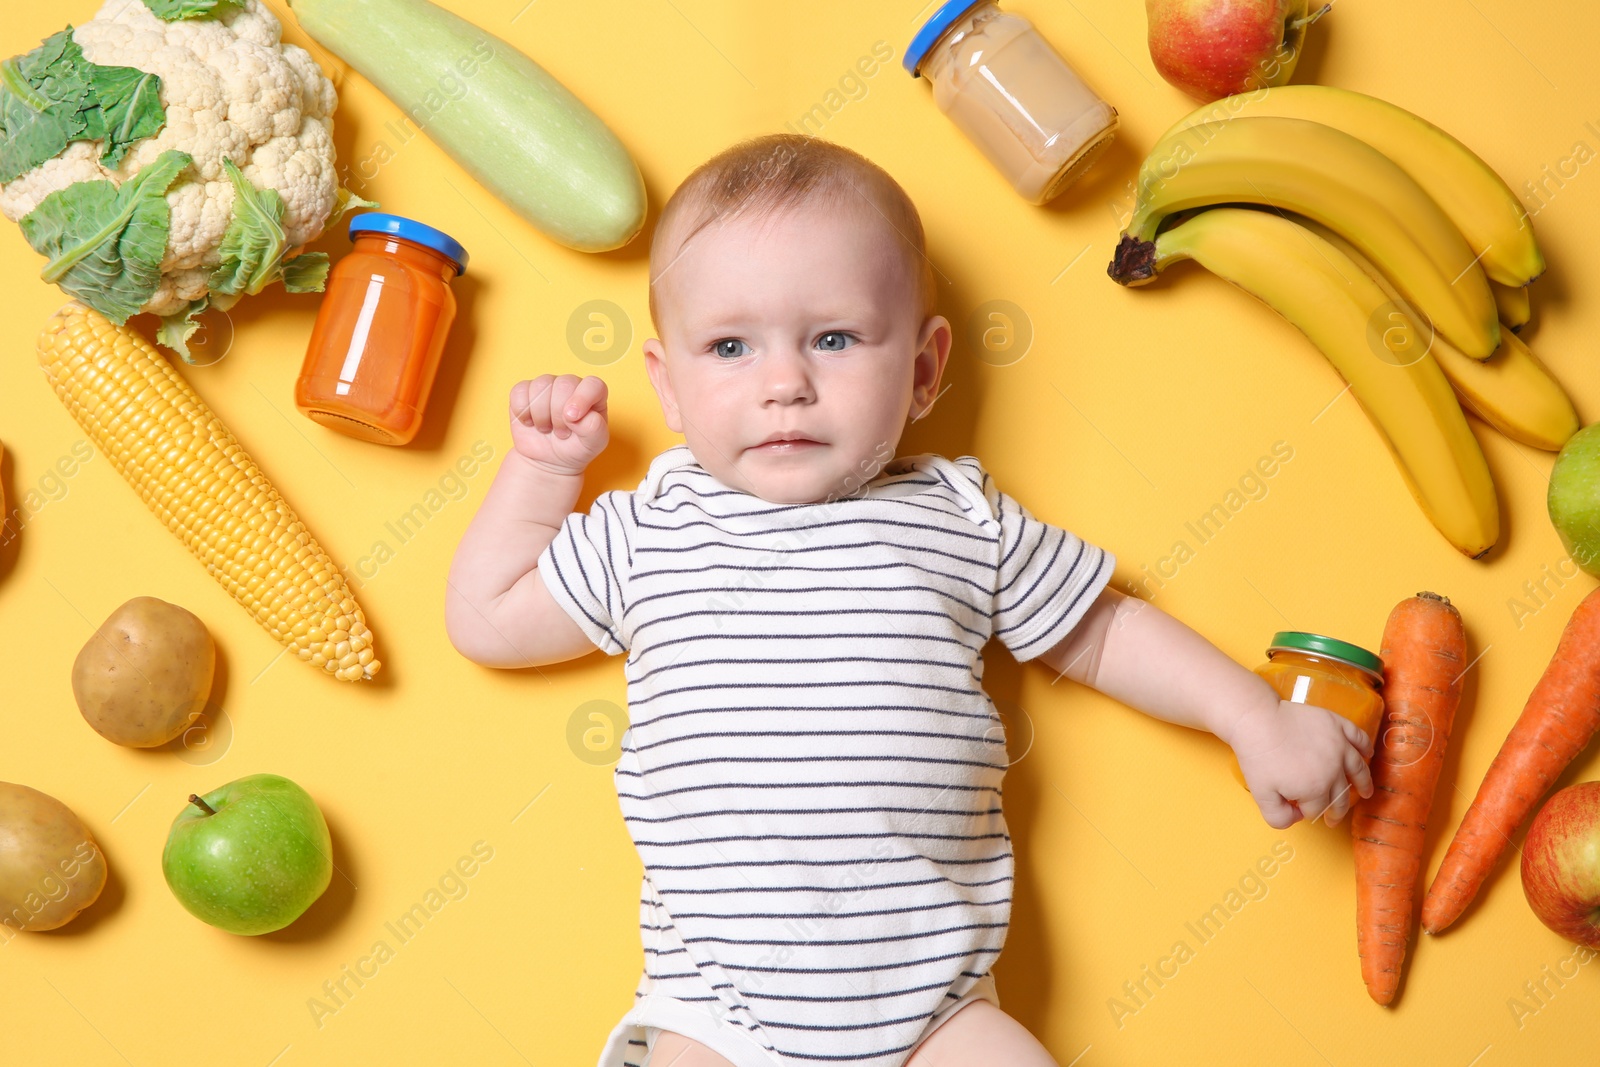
(41, 107)
(306, 273)
(54, 95)
(345, 201)
(175, 330)
(174, 10)
(246, 253)
(130, 106)
(105, 242)
(253, 245)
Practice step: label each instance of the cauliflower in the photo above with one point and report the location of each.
(232, 92)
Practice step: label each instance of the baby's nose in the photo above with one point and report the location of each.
(787, 377)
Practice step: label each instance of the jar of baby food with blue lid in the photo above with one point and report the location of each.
(1013, 95)
(381, 331)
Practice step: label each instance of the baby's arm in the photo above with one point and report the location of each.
(498, 611)
(1298, 758)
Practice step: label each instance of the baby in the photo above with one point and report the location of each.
(812, 769)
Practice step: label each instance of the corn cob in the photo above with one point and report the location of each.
(190, 471)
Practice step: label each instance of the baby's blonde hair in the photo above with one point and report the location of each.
(768, 174)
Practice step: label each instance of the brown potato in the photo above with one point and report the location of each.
(51, 868)
(144, 676)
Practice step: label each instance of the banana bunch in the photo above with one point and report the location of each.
(1398, 251)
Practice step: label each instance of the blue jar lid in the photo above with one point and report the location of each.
(414, 231)
(931, 31)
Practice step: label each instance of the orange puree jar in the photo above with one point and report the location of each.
(1313, 669)
(381, 330)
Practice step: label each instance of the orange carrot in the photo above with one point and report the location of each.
(1424, 649)
(1561, 716)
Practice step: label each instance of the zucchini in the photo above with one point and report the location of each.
(497, 113)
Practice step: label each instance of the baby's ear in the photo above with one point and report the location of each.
(933, 349)
(655, 365)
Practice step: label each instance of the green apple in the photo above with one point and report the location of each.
(1574, 499)
(250, 856)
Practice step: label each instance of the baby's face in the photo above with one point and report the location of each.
(805, 323)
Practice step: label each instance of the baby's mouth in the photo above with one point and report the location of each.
(783, 448)
(791, 444)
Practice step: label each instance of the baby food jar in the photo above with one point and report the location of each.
(1313, 669)
(1013, 95)
(381, 330)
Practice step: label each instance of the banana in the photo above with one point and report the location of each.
(1515, 307)
(1511, 390)
(1342, 310)
(1489, 215)
(1326, 174)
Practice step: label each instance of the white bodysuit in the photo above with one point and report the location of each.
(812, 769)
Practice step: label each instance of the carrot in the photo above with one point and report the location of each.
(1561, 716)
(1424, 647)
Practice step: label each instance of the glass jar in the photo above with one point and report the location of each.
(381, 330)
(1313, 669)
(1013, 95)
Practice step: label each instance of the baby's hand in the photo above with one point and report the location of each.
(1300, 760)
(560, 423)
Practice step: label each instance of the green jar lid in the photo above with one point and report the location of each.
(1317, 644)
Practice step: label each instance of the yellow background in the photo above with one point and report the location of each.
(1132, 413)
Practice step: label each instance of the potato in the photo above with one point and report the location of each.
(51, 868)
(144, 676)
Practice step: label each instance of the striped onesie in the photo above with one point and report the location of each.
(811, 773)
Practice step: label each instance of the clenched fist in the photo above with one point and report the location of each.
(1302, 761)
(560, 422)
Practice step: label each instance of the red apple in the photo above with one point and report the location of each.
(1215, 48)
(1561, 864)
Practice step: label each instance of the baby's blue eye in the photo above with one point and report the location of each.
(843, 341)
(720, 347)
